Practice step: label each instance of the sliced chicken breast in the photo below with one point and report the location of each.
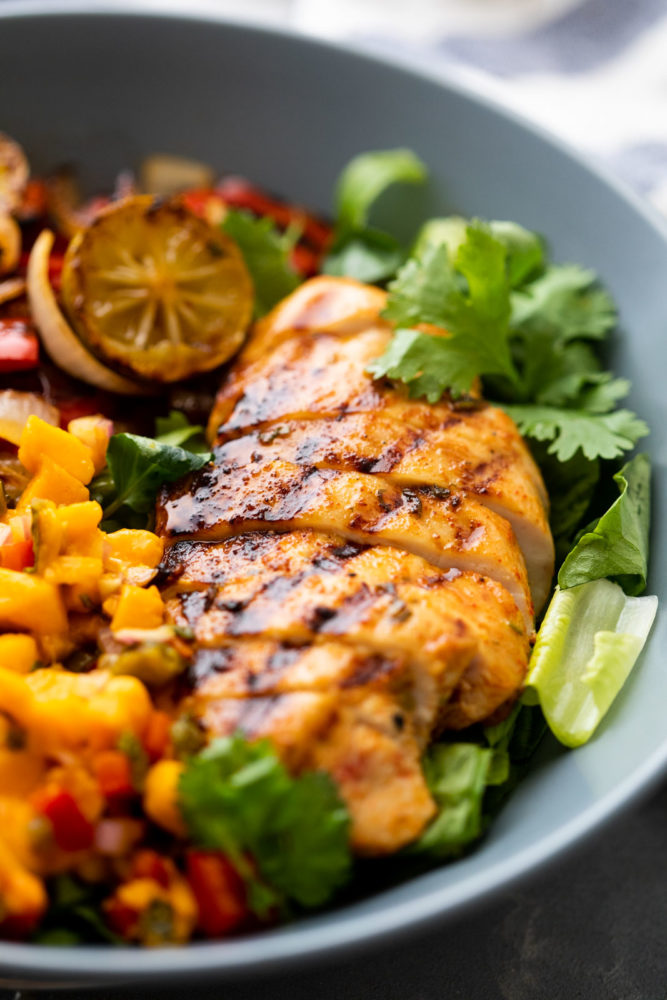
(361, 732)
(305, 587)
(478, 453)
(451, 531)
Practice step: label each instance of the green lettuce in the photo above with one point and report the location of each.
(616, 545)
(586, 647)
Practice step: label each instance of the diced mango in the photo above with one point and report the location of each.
(69, 711)
(53, 482)
(138, 608)
(23, 895)
(47, 534)
(136, 896)
(29, 603)
(19, 525)
(161, 796)
(20, 772)
(133, 545)
(94, 432)
(18, 653)
(40, 440)
(80, 521)
(85, 570)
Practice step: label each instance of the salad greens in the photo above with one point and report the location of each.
(239, 798)
(138, 466)
(457, 775)
(589, 641)
(266, 252)
(359, 250)
(616, 545)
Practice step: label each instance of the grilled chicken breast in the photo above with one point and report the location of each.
(477, 453)
(307, 588)
(451, 531)
(356, 566)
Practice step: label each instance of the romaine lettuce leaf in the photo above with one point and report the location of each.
(586, 647)
(616, 546)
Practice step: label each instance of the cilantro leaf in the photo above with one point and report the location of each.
(428, 364)
(525, 253)
(595, 392)
(616, 546)
(238, 797)
(469, 298)
(598, 435)
(177, 430)
(266, 252)
(136, 469)
(366, 177)
(565, 301)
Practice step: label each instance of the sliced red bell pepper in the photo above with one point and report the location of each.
(71, 830)
(19, 346)
(219, 891)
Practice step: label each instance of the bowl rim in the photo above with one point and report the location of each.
(302, 944)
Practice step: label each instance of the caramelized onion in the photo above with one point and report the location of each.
(60, 341)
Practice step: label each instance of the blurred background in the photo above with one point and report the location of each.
(592, 71)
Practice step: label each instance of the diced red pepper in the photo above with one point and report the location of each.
(18, 926)
(113, 773)
(71, 830)
(219, 891)
(156, 736)
(17, 555)
(149, 864)
(33, 201)
(19, 346)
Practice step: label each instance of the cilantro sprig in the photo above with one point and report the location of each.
(287, 837)
(528, 328)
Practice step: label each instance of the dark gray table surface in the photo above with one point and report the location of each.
(592, 927)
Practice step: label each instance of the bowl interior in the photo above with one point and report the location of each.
(102, 90)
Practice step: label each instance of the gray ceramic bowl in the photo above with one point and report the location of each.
(101, 90)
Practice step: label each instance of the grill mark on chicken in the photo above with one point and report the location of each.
(363, 602)
(418, 460)
(453, 531)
